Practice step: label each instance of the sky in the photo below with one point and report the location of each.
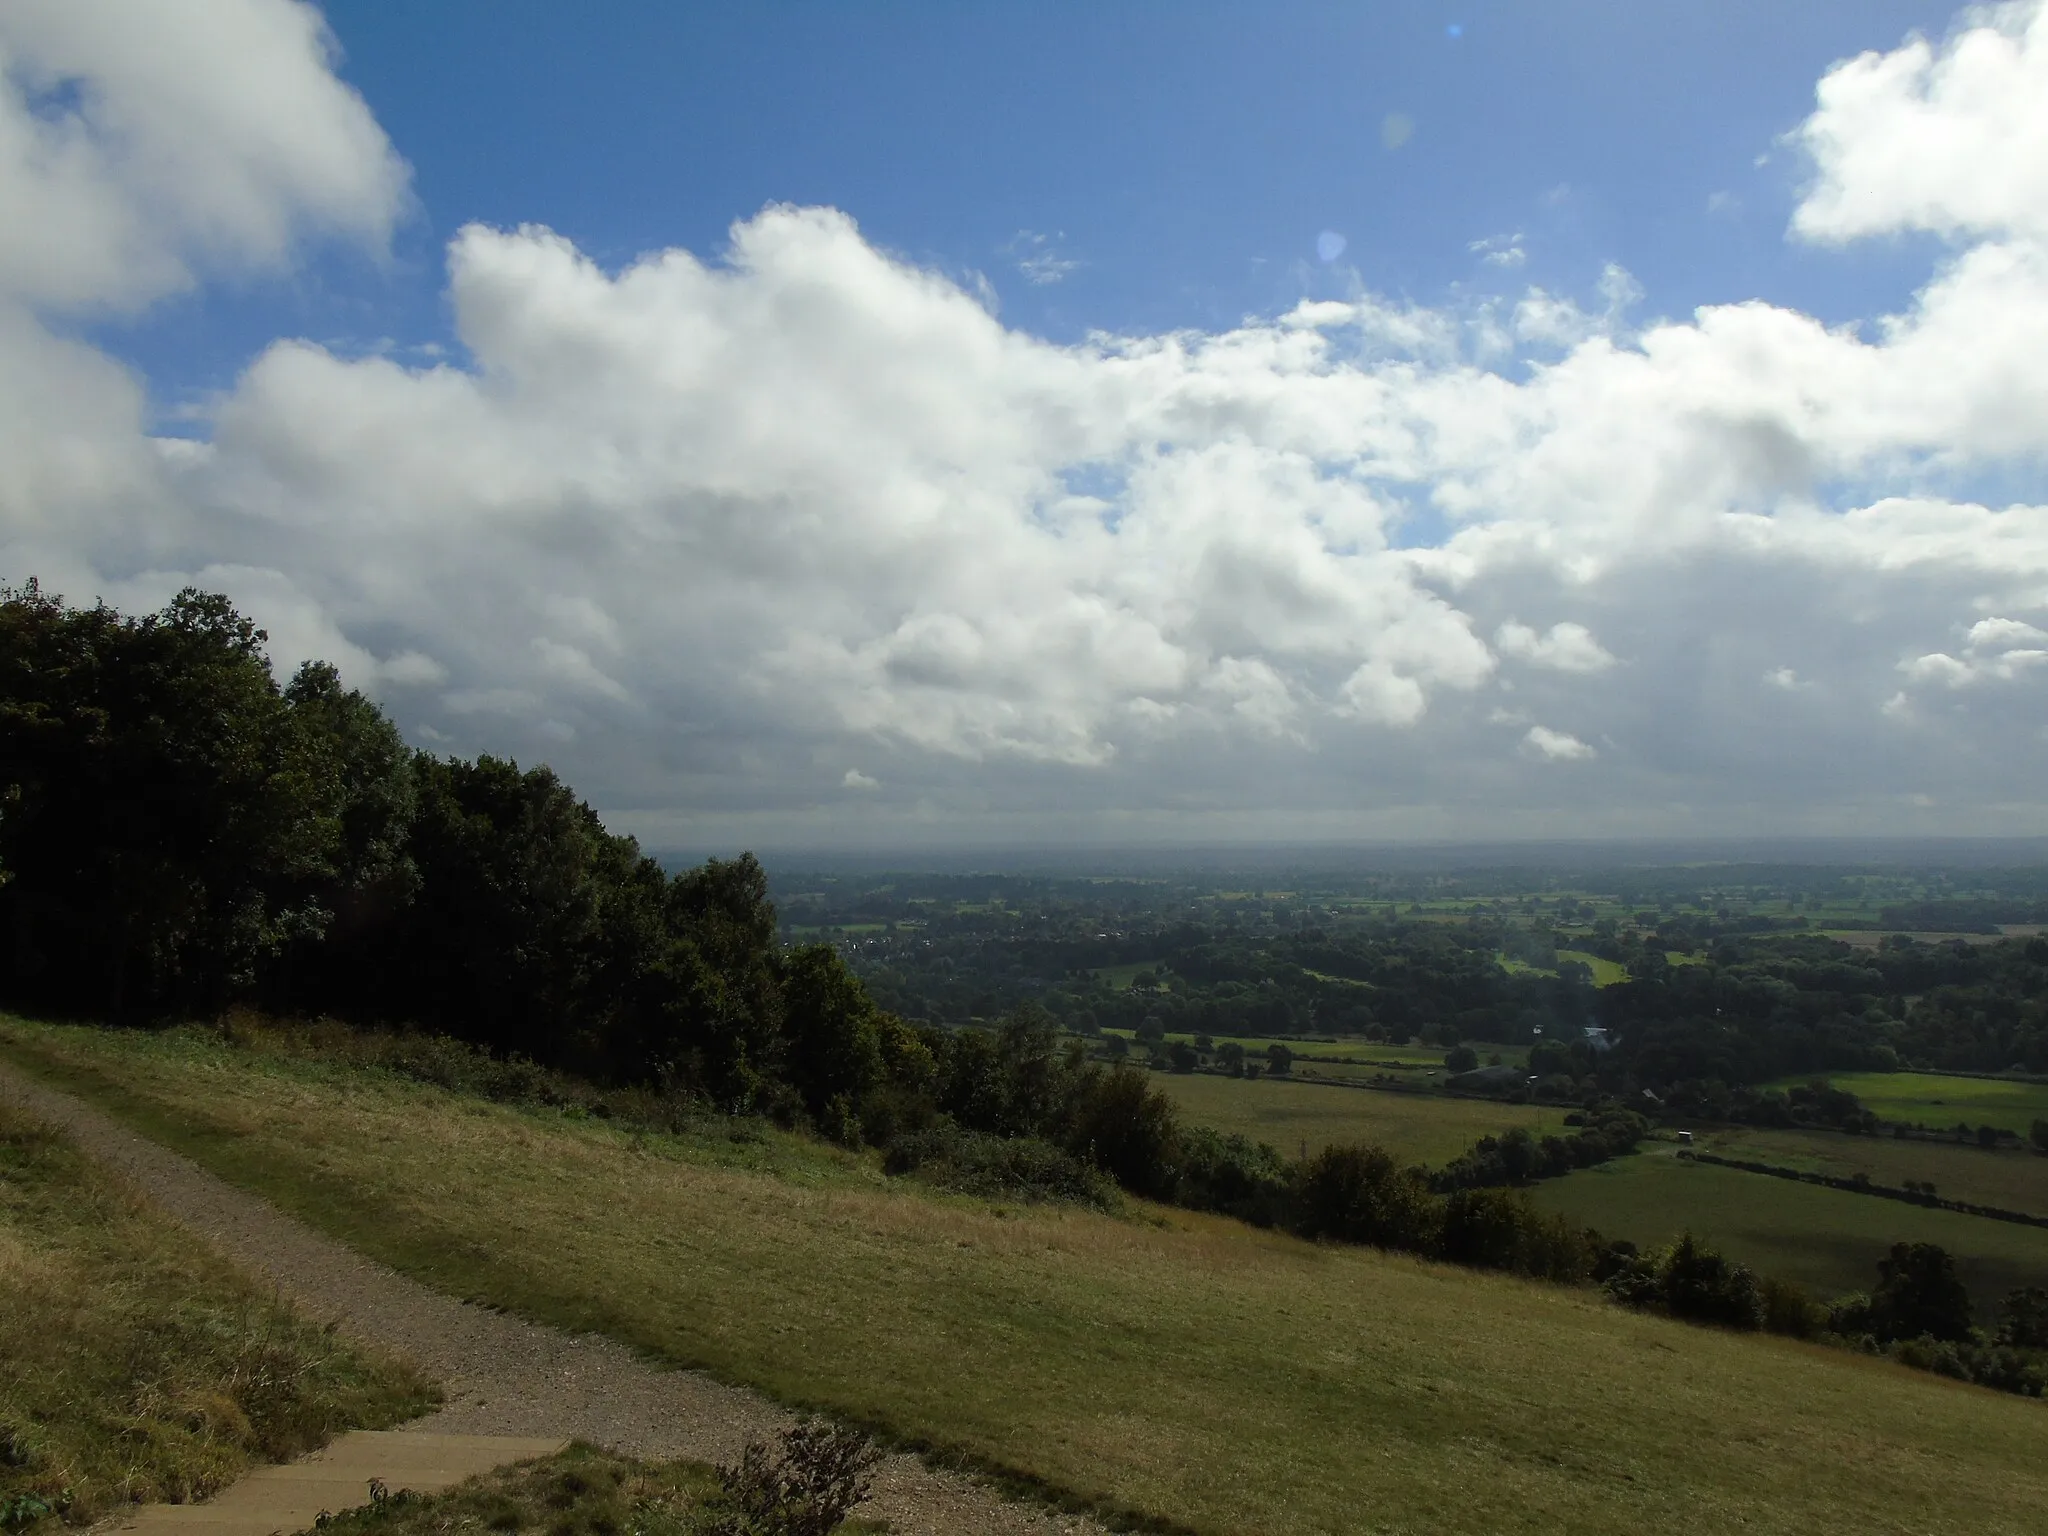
(918, 426)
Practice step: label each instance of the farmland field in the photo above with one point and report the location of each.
(1186, 1368)
(1358, 1049)
(1423, 1128)
(2010, 1179)
(1932, 1099)
(1605, 972)
(1828, 1240)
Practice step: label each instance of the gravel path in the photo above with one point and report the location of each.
(502, 1375)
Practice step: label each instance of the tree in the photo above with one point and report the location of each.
(1918, 1294)
(1461, 1058)
(1279, 1059)
(2024, 1319)
(1361, 1195)
(2040, 1136)
(163, 817)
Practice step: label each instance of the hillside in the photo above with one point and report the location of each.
(1181, 1366)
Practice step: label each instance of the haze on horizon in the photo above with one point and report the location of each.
(1402, 509)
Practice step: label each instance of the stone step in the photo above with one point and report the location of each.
(272, 1501)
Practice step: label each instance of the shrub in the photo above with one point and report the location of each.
(1013, 1167)
(821, 1474)
(1360, 1195)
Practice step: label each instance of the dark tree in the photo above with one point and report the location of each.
(1919, 1295)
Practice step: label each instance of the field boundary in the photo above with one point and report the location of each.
(1865, 1187)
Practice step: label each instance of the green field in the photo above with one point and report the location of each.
(1185, 1367)
(1418, 1127)
(2010, 1179)
(1119, 977)
(1825, 1239)
(1310, 1050)
(1932, 1099)
(1605, 972)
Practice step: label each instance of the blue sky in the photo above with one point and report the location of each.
(914, 425)
(1185, 158)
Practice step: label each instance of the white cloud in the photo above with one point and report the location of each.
(1039, 258)
(1500, 250)
(857, 780)
(1556, 746)
(138, 142)
(1568, 647)
(698, 527)
(1951, 138)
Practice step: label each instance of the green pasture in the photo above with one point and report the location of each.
(2009, 1178)
(1937, 1100)
(1373, 1053)
(1828, 1240)
(1187, 1371)
(1120, 977)
(1605, 972)
(1417, 1127)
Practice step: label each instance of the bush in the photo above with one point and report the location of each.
(1002, 1167)
(807, 1490)
(1691, 1281)
(1360, 1195)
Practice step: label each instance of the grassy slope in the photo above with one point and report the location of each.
(1930, 1098)
(1829, 1240)
(1422, 1128)
(2010, 1178)
(136, 1365)
(1185, 1366)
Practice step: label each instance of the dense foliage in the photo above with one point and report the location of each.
(178, 831)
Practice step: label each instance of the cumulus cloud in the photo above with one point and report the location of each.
(702, 528)
(1556, 746)
(1568, 647)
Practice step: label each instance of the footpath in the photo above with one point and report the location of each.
(528, 1387)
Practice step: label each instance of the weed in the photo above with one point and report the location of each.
(820, 1475)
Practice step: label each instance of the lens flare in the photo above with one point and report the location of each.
(1330, 245)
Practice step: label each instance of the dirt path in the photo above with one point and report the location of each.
(502, 1375)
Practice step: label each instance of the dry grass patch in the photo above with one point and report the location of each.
(140, 1366)
(1178, 1365)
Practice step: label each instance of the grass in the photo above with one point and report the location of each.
(138, 1365)
(1827, 1240)
(2010, 1179)
(1606, 973)
(1181, 1366)
(1356, 1048)
(1423, 1128)
(1933, 1099)
(582, 1491)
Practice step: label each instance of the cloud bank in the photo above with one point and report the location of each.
(799, 543)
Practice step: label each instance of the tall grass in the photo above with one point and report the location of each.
(135, 1364)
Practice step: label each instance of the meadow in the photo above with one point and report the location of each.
(2010, 1178)
(1179, 1367)
(1606, 973)
(1827, 1240)
(1416, 1127)
(1940, 1101)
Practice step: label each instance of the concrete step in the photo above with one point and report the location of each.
(274, 1500)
